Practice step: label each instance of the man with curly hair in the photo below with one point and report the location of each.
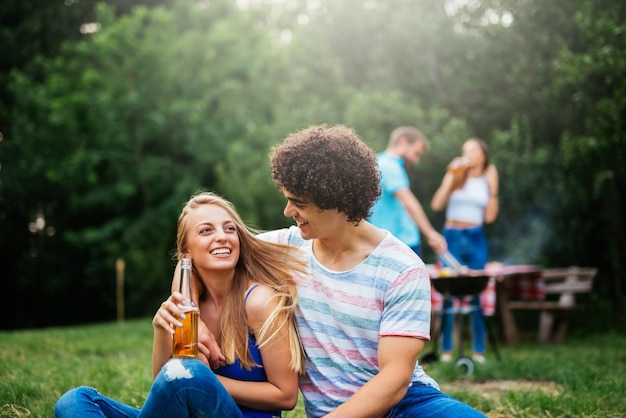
(364, 307)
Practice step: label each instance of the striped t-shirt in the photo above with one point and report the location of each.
(341, 315)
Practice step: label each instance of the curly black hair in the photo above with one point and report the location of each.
(329, 166)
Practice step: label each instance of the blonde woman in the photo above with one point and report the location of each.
(246, 296)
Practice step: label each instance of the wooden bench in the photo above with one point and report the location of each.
(560, 286)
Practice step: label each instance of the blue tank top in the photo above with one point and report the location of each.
(255, 374)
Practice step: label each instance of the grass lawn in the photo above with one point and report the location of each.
(583, 377)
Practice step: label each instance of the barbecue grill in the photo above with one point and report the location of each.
(460, 286)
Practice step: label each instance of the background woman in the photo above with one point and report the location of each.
(469, 189)
(246, 296)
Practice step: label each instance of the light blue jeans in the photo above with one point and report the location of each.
(427, 402)
(469, 246)
(188, 388)
(183, 388)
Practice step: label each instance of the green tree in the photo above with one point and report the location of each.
(124, 128)
(593, 146)
(110, 134)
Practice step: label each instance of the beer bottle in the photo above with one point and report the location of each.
(186, 337)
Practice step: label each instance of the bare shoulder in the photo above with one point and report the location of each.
(260, 301)
(491, 170)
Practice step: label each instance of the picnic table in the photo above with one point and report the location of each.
(518, 281)
(559, 302)
(514, 282)
(527, 287)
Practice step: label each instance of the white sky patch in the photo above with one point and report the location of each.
(504, 17)
(246, 4)
(87, 28)
(285, 37)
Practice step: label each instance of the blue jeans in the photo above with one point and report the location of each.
(183, 388)
(428, 402)
(469, 246)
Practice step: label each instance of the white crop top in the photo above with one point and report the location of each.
(468, 204)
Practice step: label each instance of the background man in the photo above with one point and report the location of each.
(398, 210)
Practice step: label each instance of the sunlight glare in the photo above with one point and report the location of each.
(88, 28)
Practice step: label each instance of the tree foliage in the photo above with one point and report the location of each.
(111, 132)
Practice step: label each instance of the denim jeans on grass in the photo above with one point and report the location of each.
(469, 246)
(427, 402)
(183, 388)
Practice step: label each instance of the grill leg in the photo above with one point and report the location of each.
(492, 340)
(460, 319)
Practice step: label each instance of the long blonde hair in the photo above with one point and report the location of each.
(262, 262)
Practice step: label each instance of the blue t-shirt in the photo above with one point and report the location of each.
(388, 212)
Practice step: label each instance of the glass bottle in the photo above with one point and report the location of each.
(186, 337)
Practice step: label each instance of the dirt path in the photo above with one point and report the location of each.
(497, 387)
